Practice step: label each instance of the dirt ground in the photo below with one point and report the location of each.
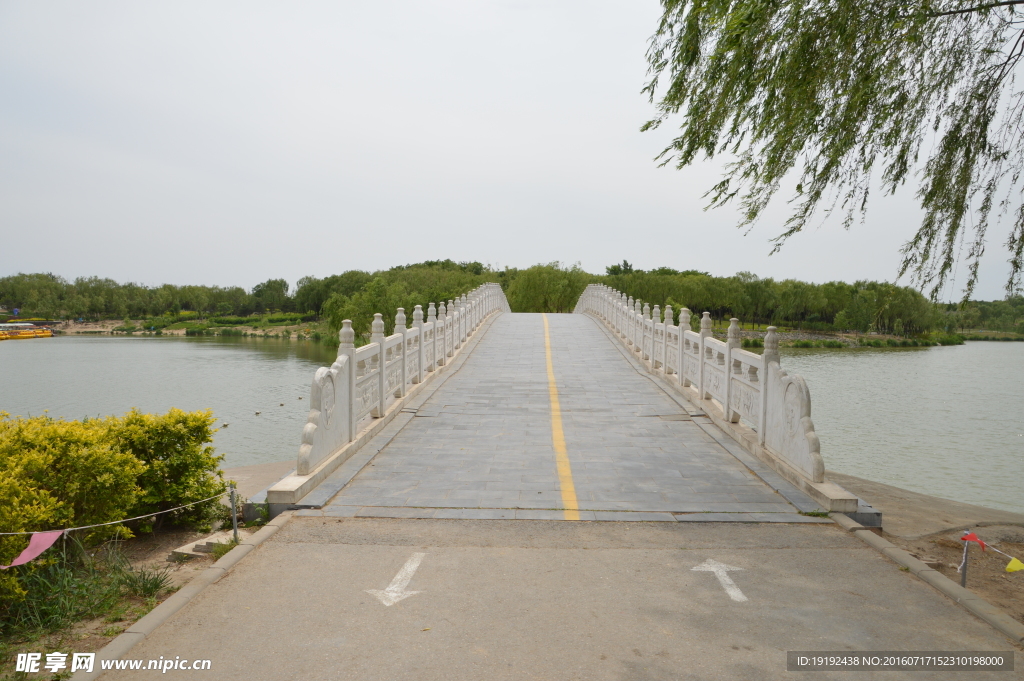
(986, 570)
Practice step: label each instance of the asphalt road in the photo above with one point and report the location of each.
(558, 600)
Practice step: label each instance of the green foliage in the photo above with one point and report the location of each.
(624, 268)
(75, 464)
(950, 339)
(387, 290)
(221, 549)
(180, 469)
(834, 306)
(56, 474)
(65, 587)
(143, 582)
(838, 91)
(547, 288)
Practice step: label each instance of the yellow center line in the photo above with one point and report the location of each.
(572, 511)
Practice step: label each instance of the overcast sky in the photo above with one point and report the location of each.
(227, 143)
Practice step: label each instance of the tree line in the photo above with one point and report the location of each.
(834, 306)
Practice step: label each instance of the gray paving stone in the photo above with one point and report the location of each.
(634, 517)
(475, 513)
(552, 515)
(487, 444)
(390, 512)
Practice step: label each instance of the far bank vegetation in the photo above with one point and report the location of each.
(315, 307)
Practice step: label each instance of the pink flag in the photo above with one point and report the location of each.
(40, 542)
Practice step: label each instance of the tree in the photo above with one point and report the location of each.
(271, 294)
(840, 90)
(624, 268)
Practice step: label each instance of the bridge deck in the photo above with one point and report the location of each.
(482, 445)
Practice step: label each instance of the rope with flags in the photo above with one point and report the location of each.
(41, 541)
(1013, 566)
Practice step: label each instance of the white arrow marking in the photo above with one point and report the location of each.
(720, 570)
(396, 589)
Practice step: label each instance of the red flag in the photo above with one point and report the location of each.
(39, 542)
(970, 536)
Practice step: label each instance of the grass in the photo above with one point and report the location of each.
(78, 584)
(221, 550)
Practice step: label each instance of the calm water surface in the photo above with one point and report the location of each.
(943, 421)
(74, 377)
(947, 421)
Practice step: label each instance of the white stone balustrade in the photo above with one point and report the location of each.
(749, 396)
(366, 382)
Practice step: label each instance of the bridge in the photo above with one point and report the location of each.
(465, 504)
(613, 413)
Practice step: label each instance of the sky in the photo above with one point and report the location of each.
(232, 142)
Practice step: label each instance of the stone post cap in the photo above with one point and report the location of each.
(400, 320)
(771, 346)
(668, 316)
(442, 311)
(346, 335)
(734, 340)
(417, 316)
(705, 324)
(431, 313)
(377, 325)
(656, 314)
(646, 310)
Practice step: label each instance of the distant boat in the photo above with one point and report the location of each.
(19, 330)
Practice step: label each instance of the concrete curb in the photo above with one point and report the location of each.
(139, 631)
(976, 605)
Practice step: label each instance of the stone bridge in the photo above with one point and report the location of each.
(439, 464)
(613, 413)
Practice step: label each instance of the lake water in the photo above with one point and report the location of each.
(76, 376)
(947, 421)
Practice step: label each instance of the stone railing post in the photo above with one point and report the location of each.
(684, 325)
(638, 327)
(655, 351)
(733, 342)
(464, 311)
(771, 354)
(647, 322)
(377, 336)
(450, 320)
(432, 320)
(664, 346)
(347, 348)
(401, 327)
(630, 321)
(705, 331)
(442, 325)
(417, 322)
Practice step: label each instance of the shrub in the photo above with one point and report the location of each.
(75, 464)
(233, 321)
(950, 339)
(180, 469)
